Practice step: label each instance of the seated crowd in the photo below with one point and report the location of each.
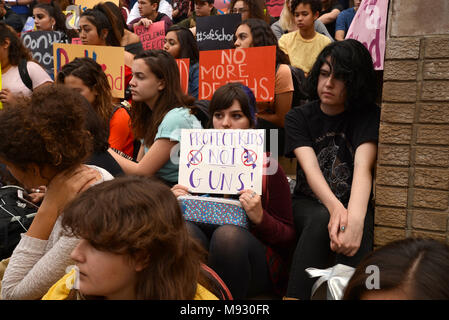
(109, 223)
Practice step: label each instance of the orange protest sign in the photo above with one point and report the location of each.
(253, 67)
(183, 66)
(111, 60)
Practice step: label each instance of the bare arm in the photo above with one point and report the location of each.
(365, 158)
(282, 105)
(338, 213)
(339, 35)
(330, 16)
(151, 162)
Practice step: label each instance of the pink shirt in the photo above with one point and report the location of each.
(11, 79)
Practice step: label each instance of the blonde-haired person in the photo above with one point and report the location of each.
(286, 23)
(134, 246)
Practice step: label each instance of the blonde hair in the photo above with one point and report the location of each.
(286, 18)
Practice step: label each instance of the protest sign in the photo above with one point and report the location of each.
(254, 67)
(222, 6)
(368, 27)
(216, 32)
(89, 4)
(221, 161)
(40, 44)
(152, 37)
(111, 60)
(76, 41)
(183, 66)
(275, 7)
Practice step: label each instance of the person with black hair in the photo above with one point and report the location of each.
(11, 18)
(49, 17)
(407, 269)
(181, 44)
(149, 14)
(334, 138)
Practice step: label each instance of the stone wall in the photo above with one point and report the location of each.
(412, 174)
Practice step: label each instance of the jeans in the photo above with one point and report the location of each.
(313, 246)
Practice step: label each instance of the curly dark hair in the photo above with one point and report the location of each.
(93, 76)
(352, 63)
(264, 36)
(47, 129)
(315, 5)
(16, 50)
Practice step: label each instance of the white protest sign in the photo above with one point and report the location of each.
(221, 161)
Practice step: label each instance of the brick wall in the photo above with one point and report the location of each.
(412, 174)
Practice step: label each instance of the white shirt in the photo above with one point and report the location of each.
(164, 7)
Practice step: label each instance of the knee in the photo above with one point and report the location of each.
(228, 238)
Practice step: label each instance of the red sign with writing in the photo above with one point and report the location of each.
(253, 67)
(152, 37)
(183, 66)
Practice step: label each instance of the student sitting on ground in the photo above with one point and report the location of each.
(304, 45)
(149, 14)
(133, 244)
(334, 138)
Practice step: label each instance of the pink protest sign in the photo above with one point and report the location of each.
(275, 7)
(152, 37)
(76, 41)
(222, 6)
(368, 27)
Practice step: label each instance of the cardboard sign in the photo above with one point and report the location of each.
(183, 66)
(221, 161)
(111, 59)
(216, 32)
(253, 67)
(76, 41)
(222, 6)
(152, 37)
(275, 7)
(368, 27)
(89, 4)
(40, 44)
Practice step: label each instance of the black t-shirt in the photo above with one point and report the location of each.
(331, 26)
(334, 140)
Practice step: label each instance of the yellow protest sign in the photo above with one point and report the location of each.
(111, 59)
(88, 4)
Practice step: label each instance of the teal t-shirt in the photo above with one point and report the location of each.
(170, 128)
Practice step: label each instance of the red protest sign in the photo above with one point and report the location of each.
(183, 66)
(152, 37)
(253, 67)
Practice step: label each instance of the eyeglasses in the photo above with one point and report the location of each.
(239, 10)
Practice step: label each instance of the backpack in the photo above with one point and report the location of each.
(16, 216)
(24, 75)
(300, 96)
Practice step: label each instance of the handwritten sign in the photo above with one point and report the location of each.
(40, 44)
(152, 37)
(368, 27)
(183, 66)
(216, 32)
(89, 4)
(253, 67)
(275, 7)
(222, 6)
(221, 161)
(111, 60)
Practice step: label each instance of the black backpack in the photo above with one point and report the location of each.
(24, 75)
(16, 215)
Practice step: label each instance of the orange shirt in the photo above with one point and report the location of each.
(120, 133)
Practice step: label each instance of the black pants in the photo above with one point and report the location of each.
(313, 247)
(237, 256)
